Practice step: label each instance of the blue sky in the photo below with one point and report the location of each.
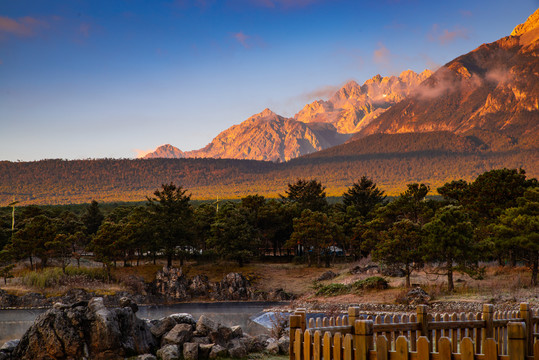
(107, 78)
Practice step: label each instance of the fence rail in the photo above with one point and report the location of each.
(486, 335)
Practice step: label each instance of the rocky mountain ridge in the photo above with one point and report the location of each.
(319, 125)
(494, 88)
(491, 93)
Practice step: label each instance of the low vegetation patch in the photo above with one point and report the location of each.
(54, 276)
(373, 282)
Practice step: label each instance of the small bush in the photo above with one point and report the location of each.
(333, 289)
(373, 282)
(42, 279)
(279, 323)
(54, 276)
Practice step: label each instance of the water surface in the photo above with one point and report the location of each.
(14, 322)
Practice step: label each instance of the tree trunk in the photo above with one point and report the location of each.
(450, 285)
(169, 260)
(31, 263)
(408, 271)
(535, 269)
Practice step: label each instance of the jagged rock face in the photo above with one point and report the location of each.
(86, 331)
(493, 88)
(353, 107)
(268, 136)
(318, 126)
(173, 284)
(166, 151)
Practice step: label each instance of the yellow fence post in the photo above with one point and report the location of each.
(488, 331)
(363, 338)
(295, 323)
(353, 315)
(423, 321)
(303, 313)
(516, 333)
(526, 314)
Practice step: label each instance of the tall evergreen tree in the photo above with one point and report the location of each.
(363, 195)
(92, 218)
(306, 194)
(172, 218)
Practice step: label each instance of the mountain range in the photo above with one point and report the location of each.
(491, 93)
(319, 125)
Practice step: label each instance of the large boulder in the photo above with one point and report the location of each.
(180, 334)
(162, 326)
(190, 351)
(205, 326)
(86, 330)
(236, 349)
(218, 351)
(169, 352)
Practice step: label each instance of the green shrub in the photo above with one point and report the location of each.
(373, 282)
(333, 289)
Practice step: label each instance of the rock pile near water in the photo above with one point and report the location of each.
(173, 284)
(89, 330)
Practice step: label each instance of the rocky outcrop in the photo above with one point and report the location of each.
(89, 330)
(86, 330)
(38, 300)
(172, 284)
(493, 88)
(354, 106)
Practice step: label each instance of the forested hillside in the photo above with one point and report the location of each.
(391, 160)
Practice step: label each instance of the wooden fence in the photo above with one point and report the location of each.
(487, 335)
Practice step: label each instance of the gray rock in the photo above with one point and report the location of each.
(205, 326)
(169, 352)
(417, 296)
(190, 351)
(183, 318)
(204, 351)
(254, 344)
(10, 345)
(236, 349)
(236, 331)
(86, 330)
(261, 342)
(284, 345)
(328, 275)
(127, 302)
(180, 334)
(218, 351)
(201, 340)
(200, 286)
(146, 357)
(272, 347)
(221, 336)
(162, 326)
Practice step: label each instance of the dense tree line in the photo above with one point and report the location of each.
(494, 217)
